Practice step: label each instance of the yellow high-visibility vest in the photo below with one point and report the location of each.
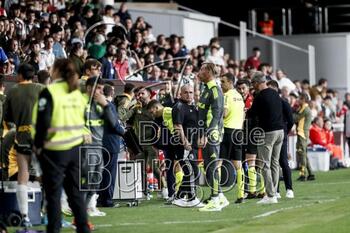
(67, 122)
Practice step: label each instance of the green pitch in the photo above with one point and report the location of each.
(319, 206)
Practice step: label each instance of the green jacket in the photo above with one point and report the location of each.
(303, 120)
(124, 106)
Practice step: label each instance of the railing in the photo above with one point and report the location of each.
(310, 51)
(288, 18)
(316, 19)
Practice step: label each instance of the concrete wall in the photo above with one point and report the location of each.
(197, 29)
(332, 56)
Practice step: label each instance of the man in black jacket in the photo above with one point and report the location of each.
(111, 148)
(288, 124)
(267, 107)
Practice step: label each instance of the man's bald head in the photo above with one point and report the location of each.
(187, 93)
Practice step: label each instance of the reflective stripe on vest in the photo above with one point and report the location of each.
(67, 122)
(98, 122)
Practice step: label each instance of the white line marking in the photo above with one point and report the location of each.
(214, 220)
(266, 214)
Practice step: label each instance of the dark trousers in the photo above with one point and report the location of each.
(210, 157)
(191, 176)
(287, 174)
(172, 154)
(61, 168)
(108, 178)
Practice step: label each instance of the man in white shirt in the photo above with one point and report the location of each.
(47, 55)
(108, 18)
(283, 81)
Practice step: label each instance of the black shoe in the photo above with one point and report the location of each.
(169, 201)
(311, 177)
(205, 201)
(301, 178)
(260, 195)
(251, 196)
(239, 201)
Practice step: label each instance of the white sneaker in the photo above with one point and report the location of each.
(213, 205)
(268, 200)
(65, 209)
(289, 193)
(278, 196)
(165, 193)
(92, 210)
(223, 200)
(195, 203)
(180, 202)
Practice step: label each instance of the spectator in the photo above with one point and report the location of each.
(121, 64)
(123, 12)
(254, 60)
(324, 137)
(336, 150)
(13, 53)
(76, 56)
(266, 26)
(328, 109)
(57, 37)
(108, 18)
(47, 56)
(3, 57)
(283, 81)
(319, 89)
(214, 56)
(98, 49)
(34, 60)
(108, 70)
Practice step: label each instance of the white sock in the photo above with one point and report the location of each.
(64, 200)
(22, 199)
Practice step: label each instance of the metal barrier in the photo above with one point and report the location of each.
(310, 51)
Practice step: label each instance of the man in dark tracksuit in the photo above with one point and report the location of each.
(210, 119)
(99, 113)
(288, 124)
(111, 143)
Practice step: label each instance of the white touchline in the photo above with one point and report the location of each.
(214, 220)
(266, 214)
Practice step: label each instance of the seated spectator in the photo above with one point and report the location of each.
(76, 56)
(322, 137)
(3, 56)
(47, 55)
(329, 109)
(98, 49)
(337, 150)
(283, 81)
(108, 70)
(34, 60)
(13, 53)
(121, 64)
